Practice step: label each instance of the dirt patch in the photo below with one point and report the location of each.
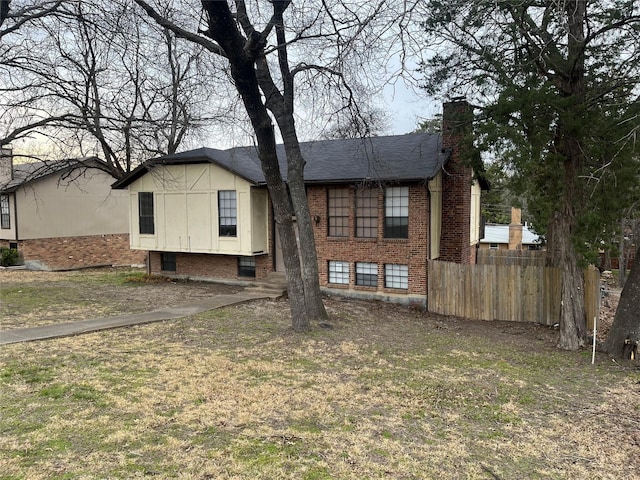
(31, 298)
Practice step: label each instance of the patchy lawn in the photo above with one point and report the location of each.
(31, 299)
(386, 392)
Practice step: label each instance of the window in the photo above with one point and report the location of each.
(227, 213)
(246, 266)
(5, 218)
(145, 212)
(396, 212)
(396, 276)
(339, 272)
(168, 262)
(366, 213)
(338, 203)
(367, 274)
(493, 246)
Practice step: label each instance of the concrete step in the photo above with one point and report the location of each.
(275, 284)
(279, 278)
(266, 289)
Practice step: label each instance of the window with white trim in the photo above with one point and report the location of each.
(339, 272)
(4, 212)
(227, 213)
(367, 274)
(396, 212)
(396, 276)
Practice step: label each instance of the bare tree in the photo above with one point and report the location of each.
(19, 13)
(107, 82)
(15, 17)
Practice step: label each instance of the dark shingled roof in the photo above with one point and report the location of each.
(24, 173)
(415, 156)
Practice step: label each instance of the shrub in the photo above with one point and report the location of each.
(9, 256)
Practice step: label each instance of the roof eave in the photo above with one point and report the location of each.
(147, 166)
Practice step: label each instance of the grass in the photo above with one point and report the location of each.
(64, 298)
(386, 393)
(31, 299)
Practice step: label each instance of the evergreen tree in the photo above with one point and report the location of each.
(556, 83)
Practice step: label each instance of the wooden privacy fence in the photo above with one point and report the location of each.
(504, 292)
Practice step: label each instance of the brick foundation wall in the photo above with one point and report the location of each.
(411, 252)
(64, 253)
(208, 265)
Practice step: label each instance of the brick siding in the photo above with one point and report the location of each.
(64, 253)
(411, 251)
(456, 187)
(210, 266)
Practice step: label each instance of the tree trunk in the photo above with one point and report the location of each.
(281, 105)
(622, 264)
(308, 254)
(222, 29)
(563, 222)
(625, 331)
(561, 254)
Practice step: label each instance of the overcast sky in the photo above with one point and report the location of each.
(406, 108)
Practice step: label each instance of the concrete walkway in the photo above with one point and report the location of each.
(115, 321)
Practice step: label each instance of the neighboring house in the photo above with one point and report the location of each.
(64, 215)
(514, 236)
(381, 208)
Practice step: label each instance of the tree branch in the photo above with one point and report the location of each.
(181, 32)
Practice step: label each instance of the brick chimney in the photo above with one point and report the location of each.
(6, 165)
(457, 121)
(515, 229)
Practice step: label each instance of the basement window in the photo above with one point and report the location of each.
(246, 266)
(339, 272)
(367, 274)
(168, 262)
(396, 276)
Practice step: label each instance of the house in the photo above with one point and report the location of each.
(514, 236)
(63, 215)
(381, 208)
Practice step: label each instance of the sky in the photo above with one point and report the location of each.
(407, 108)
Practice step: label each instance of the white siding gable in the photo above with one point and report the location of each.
(186, 211)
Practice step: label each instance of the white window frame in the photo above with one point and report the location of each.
(339, 272)
(366, 274)
(396, 212)
(396, 276)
